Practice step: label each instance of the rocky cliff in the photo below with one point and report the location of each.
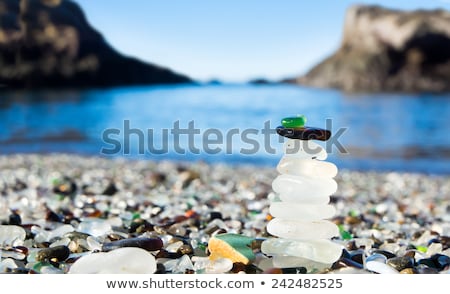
(49, 43)
(386, 50)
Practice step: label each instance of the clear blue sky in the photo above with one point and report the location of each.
(232, 40)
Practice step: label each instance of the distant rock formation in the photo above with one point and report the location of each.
(49, 43)
(260, 81)
(388, 51)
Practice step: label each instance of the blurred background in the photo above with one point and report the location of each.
(380, 71)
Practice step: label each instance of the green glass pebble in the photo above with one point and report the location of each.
(353, 213)
(294, 122)
(422, 249)
(345, 235)
(240, 244)
(236, 240)
(39, 265)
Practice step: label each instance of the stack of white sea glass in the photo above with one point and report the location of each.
(300, 209)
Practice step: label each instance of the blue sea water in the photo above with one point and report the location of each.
(371, 132)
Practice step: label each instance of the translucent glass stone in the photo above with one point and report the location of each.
(128, 260)
(301, 230)
(305, 149)
(306, 167)
(302, 189)
(322, 251)
(300, 211)
(11, 235)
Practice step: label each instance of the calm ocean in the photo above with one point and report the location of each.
(226, 123)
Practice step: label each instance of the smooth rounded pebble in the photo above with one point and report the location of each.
(128, 260)
(322, 251)
(306, 167)
(302, 230)
(95, 228)
(7, 263)
(149, 244)
(294, 121)
(304, 133)
(305, 149)
(11, 235)
(59, 253)
(281, 261)
(380, 267)
(303, 189)
(316, 200)
(298, 211)
(219, 266)
(232, 246)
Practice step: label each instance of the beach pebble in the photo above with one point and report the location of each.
(380, 267)
(401, 262)
(306, 167)
(93, 244)
(299, 211)
(323, 251)
(302, 230)
(363, 242)
(304, 133)
(377, 257)
(304, 149)
(95, 228)
(11, 235)
(303, 189)
(49, 269)
(174, 247)
(294, 121)
(408, 271)
(235, 247)
(219, 266)
(179, 265)
(7, 263)
(149, 244)
(14, 252)
(128, 260)
(209, 266)
(282, 261)
(59, 253)
(46, 236)
(345, 262)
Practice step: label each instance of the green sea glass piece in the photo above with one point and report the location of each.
(345, 235)
(235, 247)
(294, 121)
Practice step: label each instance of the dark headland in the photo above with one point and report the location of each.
(385, 50)
(49, 43)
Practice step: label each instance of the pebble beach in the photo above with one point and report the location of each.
(63, 213)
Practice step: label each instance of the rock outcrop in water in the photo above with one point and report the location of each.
(388, 51)
(49, 43)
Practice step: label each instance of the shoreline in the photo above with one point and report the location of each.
(232, 162)
(396, 214)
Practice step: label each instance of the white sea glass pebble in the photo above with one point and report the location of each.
(127, 260)
(306, 187)
(297, 211)
(94, 228)
(301, 230)
(306, 167)
(7, 263)
(380, 267)
(11, 235)
(284, 261)
(306, 149)
(305, 198)
(322, 251)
